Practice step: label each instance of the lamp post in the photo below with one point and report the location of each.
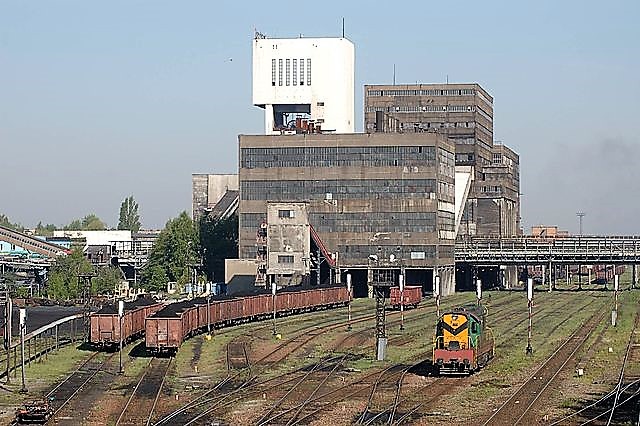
(120, 315)
(401, 282)
(273, 299)
(349, 303)
(436, 291)
(530, 306)
(23, 326)
(614, 312)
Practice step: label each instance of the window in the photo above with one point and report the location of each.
(301, 72)
(279, 72)
(308, 71)
(285, 259)
(295, 72)
(288, 75)
(286, 214)
(474, 328)
(273, 72)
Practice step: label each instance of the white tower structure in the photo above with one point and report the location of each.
(307, 78)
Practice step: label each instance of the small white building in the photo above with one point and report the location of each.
(305, 78)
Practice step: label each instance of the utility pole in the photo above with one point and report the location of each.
(382, 279)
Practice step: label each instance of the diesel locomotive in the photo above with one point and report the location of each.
(463, 343)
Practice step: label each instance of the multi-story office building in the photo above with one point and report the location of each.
(377, 200)
(464, 113)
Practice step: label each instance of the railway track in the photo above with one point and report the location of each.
(140, 406)
(606, 410)
(517, 409)
(64, 393)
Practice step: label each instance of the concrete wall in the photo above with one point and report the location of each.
(288, 238)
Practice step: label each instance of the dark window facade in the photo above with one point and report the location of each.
(365, 156)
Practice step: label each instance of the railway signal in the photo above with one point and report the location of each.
(530, 305)
(120, 315)
(23, 326)
(349, 303)
(479, 290)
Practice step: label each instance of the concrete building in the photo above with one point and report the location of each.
(464, 113)
(380, 201)
(208, 190)
(306, 78)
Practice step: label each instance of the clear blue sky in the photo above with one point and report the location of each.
(99, 100)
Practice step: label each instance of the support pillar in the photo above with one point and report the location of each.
(369, 283)
(634, 276)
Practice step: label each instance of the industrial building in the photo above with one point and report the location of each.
(464, 113)
(213, 194)
(312, 78)
(373, 201)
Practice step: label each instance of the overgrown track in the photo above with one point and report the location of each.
(73, 384)
(517, 409)
(141, 404)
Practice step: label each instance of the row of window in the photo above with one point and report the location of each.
(374, 222)
(422, 108)
(285, 190)
(297, 71)
(285, 258)
(368, 156)
(422, 92)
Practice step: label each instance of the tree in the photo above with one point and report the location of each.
(4, 221)
(107, 279)
(63, 277)
(219, 241)
(45, 230)
(90, 222)
(174, 251)
(129, 217)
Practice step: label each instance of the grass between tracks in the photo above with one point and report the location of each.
(40, 376)
(560, 314)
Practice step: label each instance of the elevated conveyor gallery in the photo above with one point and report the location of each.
(31, 244)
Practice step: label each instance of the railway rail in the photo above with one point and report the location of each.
(65, 392)
(517, 409)
(140, 406)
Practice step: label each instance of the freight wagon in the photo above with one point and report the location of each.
(105, 324)
(170, 326)
(463, 342)
(410, 297)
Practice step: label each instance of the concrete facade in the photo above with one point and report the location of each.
(309, 78)
(464, 113)
(378, 200)
(288, 239)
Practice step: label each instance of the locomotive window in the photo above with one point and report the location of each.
(474, 327)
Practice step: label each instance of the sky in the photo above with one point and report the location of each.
(101, 100)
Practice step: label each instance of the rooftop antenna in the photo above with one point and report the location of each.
(394, 74)
(447, 78)
(343, 27)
